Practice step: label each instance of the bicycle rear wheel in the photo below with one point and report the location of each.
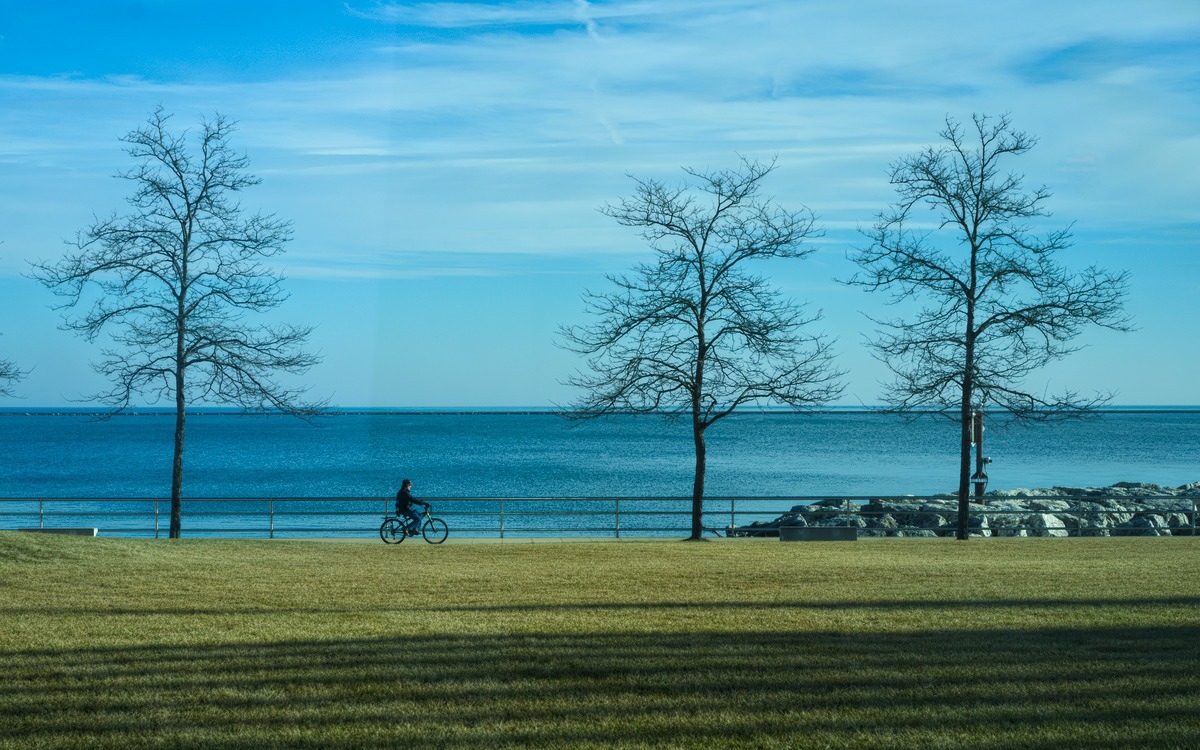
(391, 531)
(435, 531)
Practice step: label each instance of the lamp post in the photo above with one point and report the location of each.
(980, 477)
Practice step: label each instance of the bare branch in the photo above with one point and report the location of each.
(10, 375)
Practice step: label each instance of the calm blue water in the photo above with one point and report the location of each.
(543, 455)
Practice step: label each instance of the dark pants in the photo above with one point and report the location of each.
(414, 519)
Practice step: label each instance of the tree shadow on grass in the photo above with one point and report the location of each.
(932, 605)
(1048, 687)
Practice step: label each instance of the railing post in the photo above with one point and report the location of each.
(501, 518)
(270, 518)
(156, 518)
(41, 517)
(732, 513)
(617, 516)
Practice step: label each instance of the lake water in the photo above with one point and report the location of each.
(540, 454)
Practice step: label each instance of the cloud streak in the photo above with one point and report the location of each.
(459, 104)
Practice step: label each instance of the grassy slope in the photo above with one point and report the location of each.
(1002, 643)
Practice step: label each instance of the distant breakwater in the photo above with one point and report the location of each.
(1122, 509)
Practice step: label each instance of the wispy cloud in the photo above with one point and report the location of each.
(461, 15)
(452, 15)
(553, 102)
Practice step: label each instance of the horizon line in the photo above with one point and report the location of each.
(510, 410)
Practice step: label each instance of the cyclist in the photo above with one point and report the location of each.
(404, 506)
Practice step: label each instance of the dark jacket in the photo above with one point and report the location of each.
(405, 501)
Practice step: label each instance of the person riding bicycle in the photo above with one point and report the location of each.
(404, 506)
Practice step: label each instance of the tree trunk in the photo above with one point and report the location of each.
(177, 467)
(698, 423)
(698, 483)
(964, 466)
(968, 393)
(965, 433)
(180, 418)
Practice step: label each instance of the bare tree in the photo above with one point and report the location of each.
(997, 306)
(693, 332)
(173, 281)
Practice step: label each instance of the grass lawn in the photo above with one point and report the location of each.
(905, 643)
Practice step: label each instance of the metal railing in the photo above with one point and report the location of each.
(284, 517)
(616, 517)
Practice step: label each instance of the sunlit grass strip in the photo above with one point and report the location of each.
(1004, 643)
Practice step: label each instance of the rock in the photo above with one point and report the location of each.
(882, 521)
(978, 525)
(1045, 524)
(917, 533)
(791, 519)
(1182, 524)
(845, 519)
(1148, 489)
(1054, 511)
(1005, 517)
(1056, 506)
(1071, 491)
(823, 510)
(1145, 524)
(1091, 518)
(914, 513)
(755, 529)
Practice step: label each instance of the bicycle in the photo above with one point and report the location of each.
(394, 529)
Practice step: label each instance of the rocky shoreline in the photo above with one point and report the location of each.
(1122, 509)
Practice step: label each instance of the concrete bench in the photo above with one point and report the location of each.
(73, 532)
(818, 533)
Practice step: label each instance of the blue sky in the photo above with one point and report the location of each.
(443, 162)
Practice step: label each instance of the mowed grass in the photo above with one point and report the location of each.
(906, 643)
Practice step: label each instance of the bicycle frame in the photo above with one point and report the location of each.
(394, 529)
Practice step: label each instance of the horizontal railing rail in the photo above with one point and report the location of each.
(617, 517)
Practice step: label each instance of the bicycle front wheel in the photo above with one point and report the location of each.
(435, 531)
(392, 531)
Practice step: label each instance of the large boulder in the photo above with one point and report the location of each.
(846, 519)
(1093, 518)
(928, 514)
(1006, 517)
(1187, 490)
(1144, 524)
(1180, 515)
(823, 510)
(1050, 506)
(1046, 524)
(882, 524)
(978, 525)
